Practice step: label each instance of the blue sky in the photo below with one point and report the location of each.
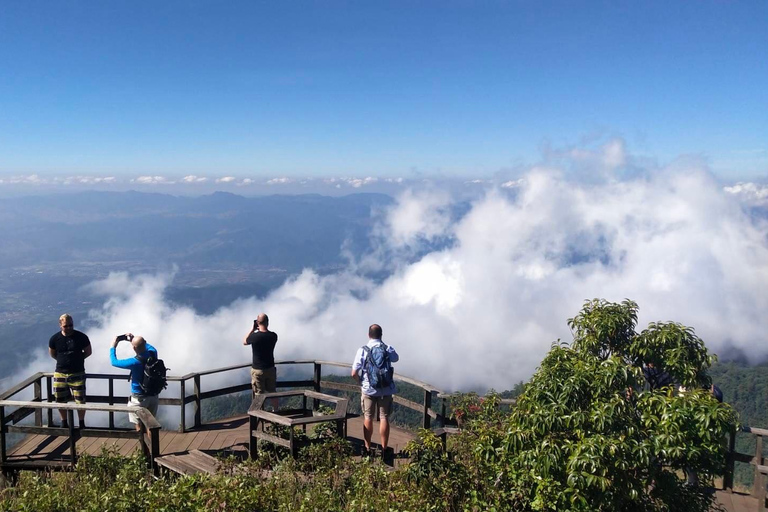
(459, 88)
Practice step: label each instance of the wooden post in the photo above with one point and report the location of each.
(293, 444)
(155, 450)
(427, 405)
(442, 412)
(316, 379)
(760, 481)
(49, 394)
(111, 402)
(730, 462)
(758, 462)
(145, 448)
(198, 411)
(253, 447)
(183, 423)
(72, 432)
(39, 398)
(3, 453)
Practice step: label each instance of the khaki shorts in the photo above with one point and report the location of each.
(147, 402)
(385, 406)
(67, 385)
(264, 381)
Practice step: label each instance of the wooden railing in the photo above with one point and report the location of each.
(194, 380)
(755, 460)
(149, 436)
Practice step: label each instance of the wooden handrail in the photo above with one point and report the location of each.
(198, 395)
(151, 427)
(21, 385)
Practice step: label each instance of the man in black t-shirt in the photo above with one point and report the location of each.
(262, 342)
(70, 348)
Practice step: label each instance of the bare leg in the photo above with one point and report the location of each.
(81, 417)
(63, 414)
(384, 433)
(367, 432)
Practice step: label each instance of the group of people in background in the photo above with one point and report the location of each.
(371, 368)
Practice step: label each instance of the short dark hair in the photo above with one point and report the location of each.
(374, 332)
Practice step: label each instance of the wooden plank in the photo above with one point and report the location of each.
(165, 439)
(180, 443)
(340, 386)
(202, 462)
(755, 431)
(272, 439)
(210, 437)
(24, 445)
(175, 464)
(84, 443)
(58, 431)
(37, 464)
(199, 439)
(130, 446)
(219, 441)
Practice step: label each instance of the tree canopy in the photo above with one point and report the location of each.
(588, 433)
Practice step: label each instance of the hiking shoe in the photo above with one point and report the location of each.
(365, 452)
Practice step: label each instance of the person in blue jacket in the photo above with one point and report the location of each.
(136, 365)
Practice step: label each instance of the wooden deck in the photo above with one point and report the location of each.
(737, 502)
(222, 437)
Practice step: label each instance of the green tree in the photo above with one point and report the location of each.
(586, 434)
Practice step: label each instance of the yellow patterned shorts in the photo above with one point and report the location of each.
(67, 385)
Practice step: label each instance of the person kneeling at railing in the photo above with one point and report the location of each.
(146, 355)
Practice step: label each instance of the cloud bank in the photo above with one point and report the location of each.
(482, 310)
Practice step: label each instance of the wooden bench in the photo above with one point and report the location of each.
(259, 416)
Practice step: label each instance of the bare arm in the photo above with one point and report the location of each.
(52, 351)
(87, 351)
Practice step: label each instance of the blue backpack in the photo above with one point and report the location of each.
(377, 366)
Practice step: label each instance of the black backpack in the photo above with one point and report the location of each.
(377, 366)
(155, 379)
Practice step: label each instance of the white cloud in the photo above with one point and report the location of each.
(194, 179)
(416, 216)
(751, 193)
(513, 183)
(357, 182)
(31, 179)
(485, 309)
(153, 180)
(225, 179)
(280, 181)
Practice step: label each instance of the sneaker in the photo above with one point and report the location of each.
(388, 456)
(365, 452)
